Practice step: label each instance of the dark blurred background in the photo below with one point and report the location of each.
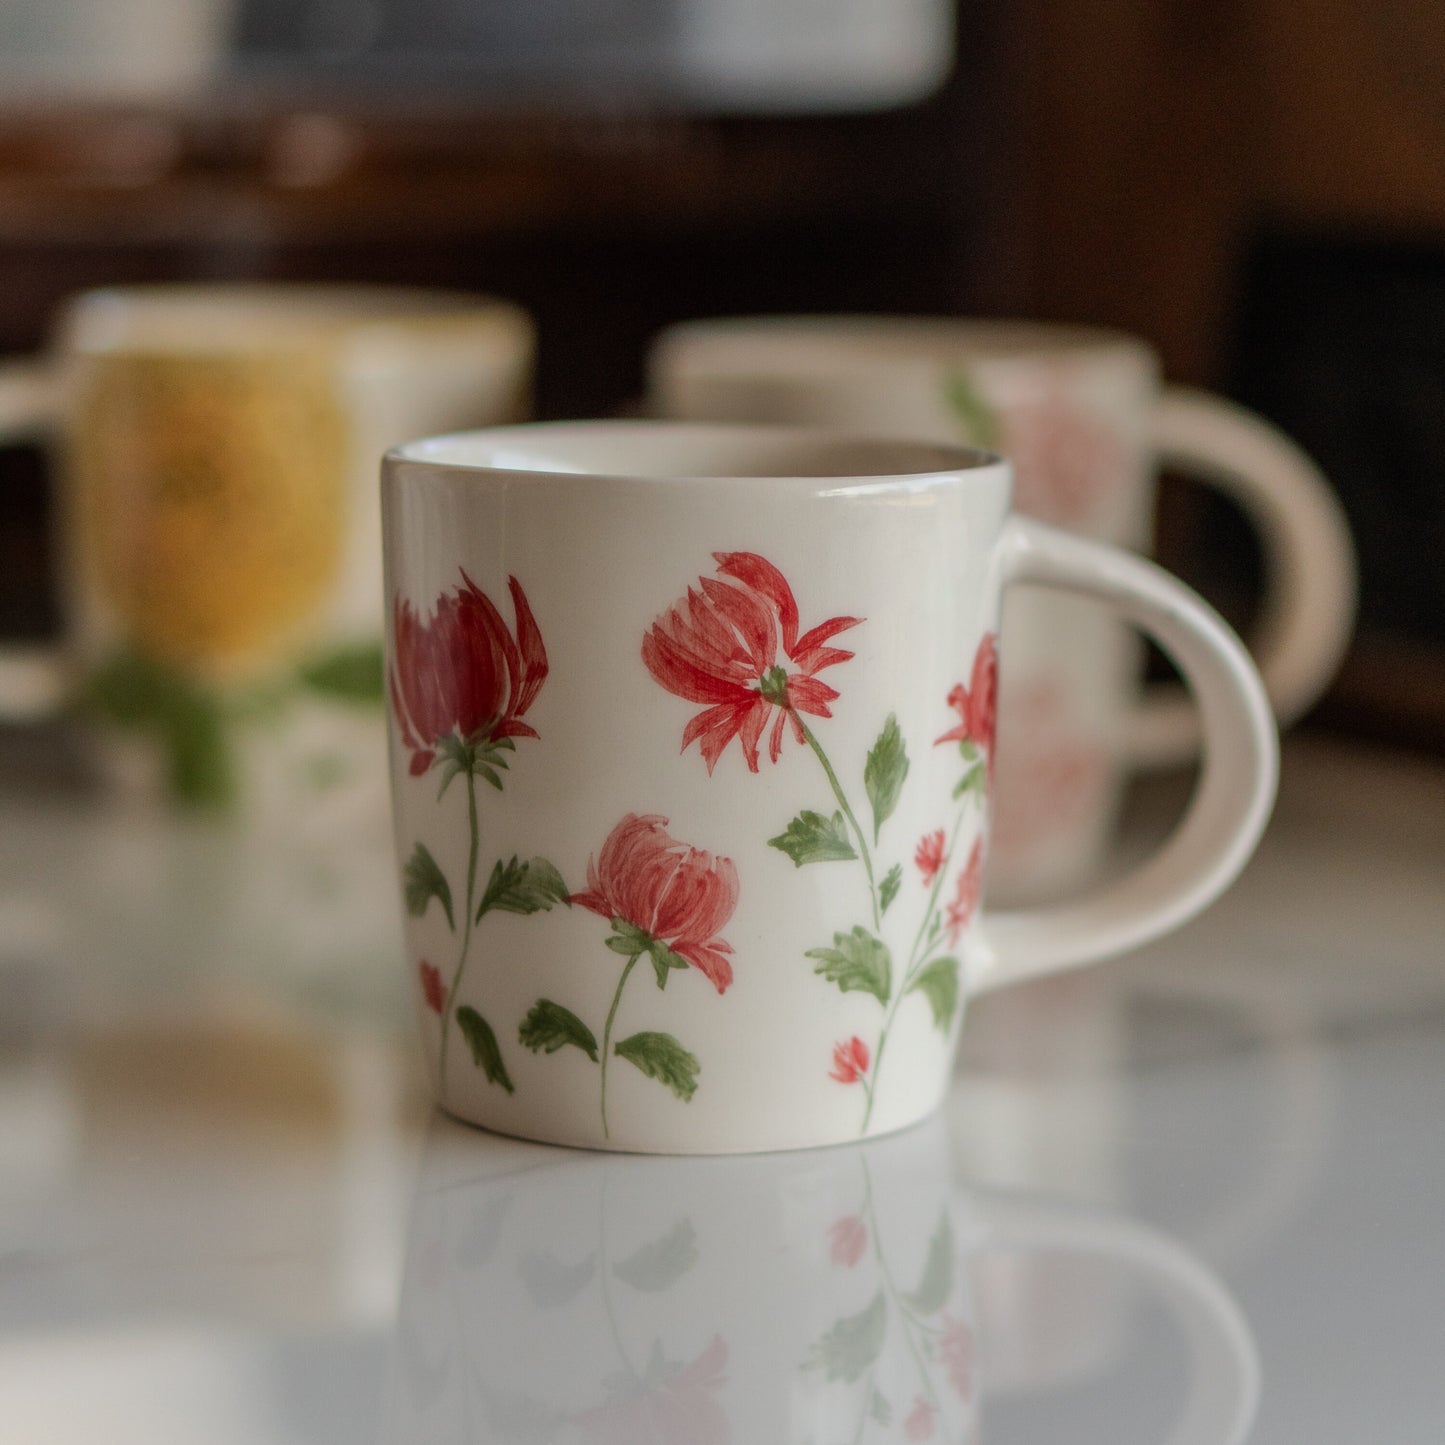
(1260, 195)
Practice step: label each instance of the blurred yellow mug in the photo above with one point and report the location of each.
(219, 525)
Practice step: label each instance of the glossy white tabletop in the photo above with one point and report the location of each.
(1190, 1197)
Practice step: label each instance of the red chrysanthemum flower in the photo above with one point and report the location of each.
(463, 672)
(966, 894)
(847, 1239)
(433, 990)
(977, 704)
(734, 645)
(929, 855)
(675, 895)
(850, 1061)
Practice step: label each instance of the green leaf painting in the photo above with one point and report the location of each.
(857, 962)
(533, 886)
(936, 1281)
(813, 838)
(975, 780)
(549, 1027)
(483, 1043)
(938, 983)
(974, 415)
(660, 1263)
(628, 939)
(888, 889)
(424, 881)
(662, 1057)
(849, 1347)
(884, 772)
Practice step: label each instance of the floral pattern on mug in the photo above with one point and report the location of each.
(663, 899)
(460, 684)
(977, 706)
(850, 1062)
(726, 645)
(433, 990)
(928, 856)
(462, 680)
(721, 645)
(1067, 461)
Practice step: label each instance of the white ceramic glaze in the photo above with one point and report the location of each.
(1081, 414)
(774, 950)
(222, 436)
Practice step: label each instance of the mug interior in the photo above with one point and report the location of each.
(691, 451)
(244, 316)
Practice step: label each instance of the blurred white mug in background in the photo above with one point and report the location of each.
(220, 535)
(1082, 415)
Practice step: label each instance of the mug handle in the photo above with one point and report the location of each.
(32, 677)
(1308, 610)
(1231, 803)
(1224, 1398)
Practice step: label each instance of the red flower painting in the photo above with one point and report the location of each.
(733, 644)
(930, 855)
(850, 1061)
(464, 672)
(977, 703)
(672, 893)
(433, 990)
(668, 902)
(967, 891)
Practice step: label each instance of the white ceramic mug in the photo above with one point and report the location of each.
(221, 557)
(1082, 416)
(692, 741)
(827, 1296)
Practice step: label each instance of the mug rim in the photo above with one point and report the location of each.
(208, 318)
(918, 464)
(893, 339)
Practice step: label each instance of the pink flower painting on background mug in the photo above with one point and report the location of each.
(693, 732)
(1081, 415)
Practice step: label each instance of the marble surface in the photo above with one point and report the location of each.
(1189, 1197)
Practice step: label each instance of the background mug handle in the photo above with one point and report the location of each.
(32, 677)
(1223, 1397)
(1234, 795)
(1308, 610)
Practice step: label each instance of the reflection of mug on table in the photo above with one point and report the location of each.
(221, 552)
(1081, 415)
(789, 1297)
